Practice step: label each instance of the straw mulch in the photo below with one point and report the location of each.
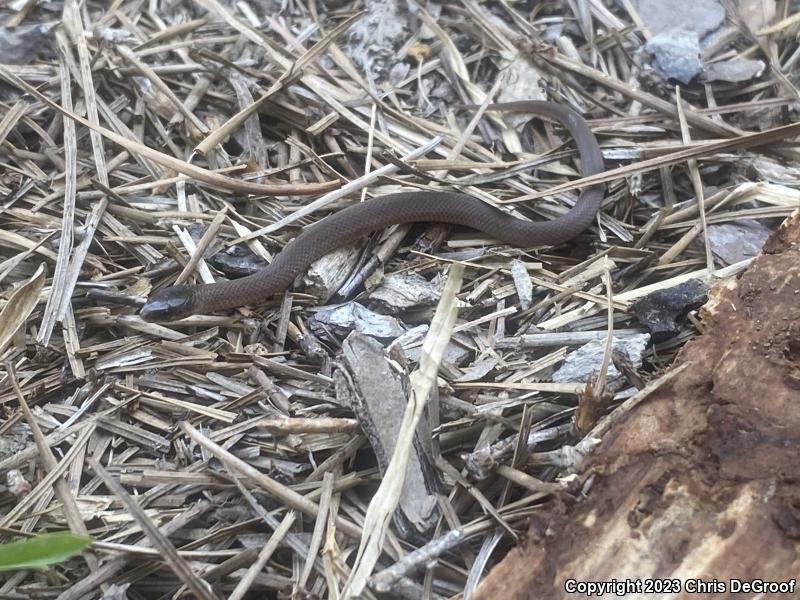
(253, 453)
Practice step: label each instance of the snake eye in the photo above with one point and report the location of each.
(169, 304)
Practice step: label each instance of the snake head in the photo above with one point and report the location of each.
(169, 304)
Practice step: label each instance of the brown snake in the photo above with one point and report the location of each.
(358, 220)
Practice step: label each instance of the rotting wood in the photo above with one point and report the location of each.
(699, 481)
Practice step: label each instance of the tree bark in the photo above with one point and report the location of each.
(699, 483)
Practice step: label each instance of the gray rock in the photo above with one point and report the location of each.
(735, 242)
(698, 16)
(660, 311)
(587, 359)
(734, 70)
(354, 317)
(676, 54)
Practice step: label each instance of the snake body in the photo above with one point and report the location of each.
(356, 221)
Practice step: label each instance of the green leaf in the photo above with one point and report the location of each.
(45, 549)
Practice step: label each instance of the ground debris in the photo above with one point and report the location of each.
(239, 454)
(708, 447)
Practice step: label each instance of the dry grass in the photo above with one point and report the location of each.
(216, 457)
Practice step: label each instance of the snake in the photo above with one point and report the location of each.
(352, 223)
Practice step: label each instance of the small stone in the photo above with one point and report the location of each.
(734, 242)
(580, 364)
(659, 311)
(355, 317)
(735, 70)
(676, 54)
(699, 16)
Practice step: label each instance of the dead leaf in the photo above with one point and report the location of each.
(20, 306)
